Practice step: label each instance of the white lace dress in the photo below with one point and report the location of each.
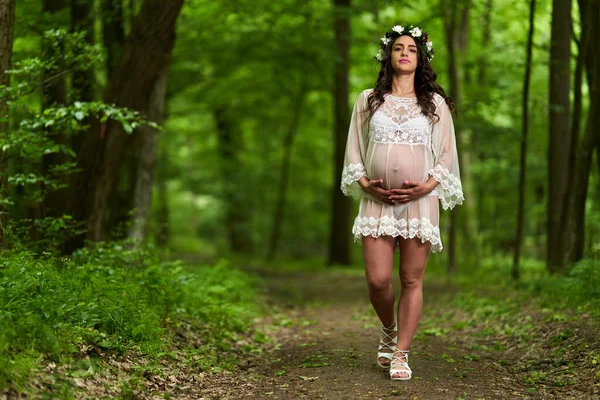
(400, 143)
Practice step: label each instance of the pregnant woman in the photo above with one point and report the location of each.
(401, 159)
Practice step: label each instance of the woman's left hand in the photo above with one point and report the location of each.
(413, 190)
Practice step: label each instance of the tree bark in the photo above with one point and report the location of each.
(339, 241)
(236, 216)
(558, 149)
(162, 218)
(7, 22)
(145, 54)
(487, 33)
(146, 141)
(82, 19)
(573, 220)
(54, 93)
(278, 217)
(525, 129)
(113, 32)
(456, 32)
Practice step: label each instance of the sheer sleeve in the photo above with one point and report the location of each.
(446, 169)
(354, 160)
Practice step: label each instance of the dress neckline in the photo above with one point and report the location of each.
(401, 98)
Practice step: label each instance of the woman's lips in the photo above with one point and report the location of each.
(404, 61)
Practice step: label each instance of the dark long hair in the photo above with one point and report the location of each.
(425, 84)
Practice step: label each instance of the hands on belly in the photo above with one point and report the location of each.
(375, 189)
(411, 190)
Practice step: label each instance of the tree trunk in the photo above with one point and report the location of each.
(455, 28)
(487, 33)
(558, 149)
(525, 129)
(145, 54)
(54, 93)
(113, 32)
(162, 218)
(82, 19)
(573, 228)
(146, 140)
(339, 241)
(236, 214)
(278, 217)
(7, 22)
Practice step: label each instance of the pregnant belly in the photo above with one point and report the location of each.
(397, 163)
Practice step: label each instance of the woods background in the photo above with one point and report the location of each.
(254, 98)
(211, 130)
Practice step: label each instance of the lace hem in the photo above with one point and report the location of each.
(451, 193)
(390, 226)
(351, 174)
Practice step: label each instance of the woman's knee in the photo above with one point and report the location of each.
(411, 283)
(412, 280)
(378, 283)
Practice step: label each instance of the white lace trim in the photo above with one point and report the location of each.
(350, 174)
(451, 193)
(400, 110)
(390, 226)
(399, 135)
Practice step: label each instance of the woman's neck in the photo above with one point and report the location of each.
(403, 85)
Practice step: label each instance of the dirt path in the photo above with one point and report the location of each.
(327, 348)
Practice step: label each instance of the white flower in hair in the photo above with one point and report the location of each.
(429, 45)
(416, 32)
(379, 55)
(385, 40)
(398, 28)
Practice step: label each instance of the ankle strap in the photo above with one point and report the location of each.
(392, 326)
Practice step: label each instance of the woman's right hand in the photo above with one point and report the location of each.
(374, 188)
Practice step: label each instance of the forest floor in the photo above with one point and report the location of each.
(466, 347)
(319, 338)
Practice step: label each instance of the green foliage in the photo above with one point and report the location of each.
(35, 136)
(113, 298)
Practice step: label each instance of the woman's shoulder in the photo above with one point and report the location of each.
(438, 99)
(365, 93)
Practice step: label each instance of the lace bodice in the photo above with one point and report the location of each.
(399, 120)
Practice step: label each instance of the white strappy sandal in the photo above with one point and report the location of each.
(399, 366)
(387, 342)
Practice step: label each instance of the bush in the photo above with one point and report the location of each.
(112, 298)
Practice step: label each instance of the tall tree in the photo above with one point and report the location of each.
(53, 93)
(558, 148)
(145, 54)
(146, 146)
(82, 20)
(288, 141)
(525, 129)
(162, 232)
(572, 240)
(456, 17)
(237, 219)
(7, 23)
(113, 32)
(339, 242)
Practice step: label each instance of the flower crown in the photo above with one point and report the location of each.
(412, 31)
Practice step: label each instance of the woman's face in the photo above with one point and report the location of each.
(404, 55)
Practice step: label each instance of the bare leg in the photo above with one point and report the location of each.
(413, 260)
(378, 254)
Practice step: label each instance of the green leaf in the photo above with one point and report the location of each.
(127, 127)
